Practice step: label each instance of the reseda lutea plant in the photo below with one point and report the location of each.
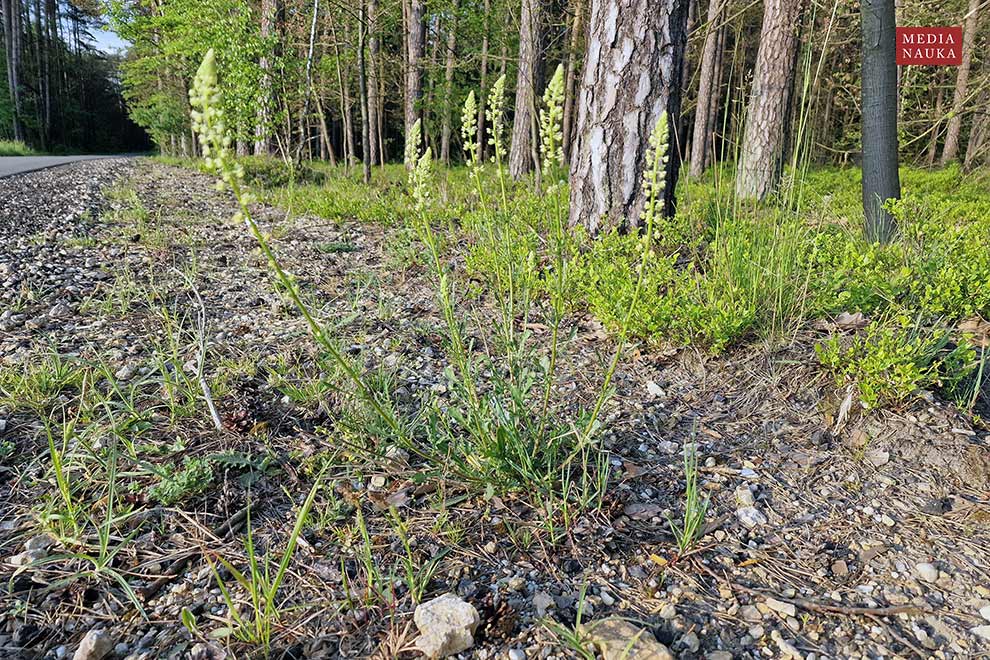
(208, 124)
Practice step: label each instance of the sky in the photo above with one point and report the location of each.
(108, 41)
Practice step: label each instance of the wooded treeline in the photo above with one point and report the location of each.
(322, 77)
(59, 90)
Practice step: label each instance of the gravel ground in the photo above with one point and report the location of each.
(827, 536)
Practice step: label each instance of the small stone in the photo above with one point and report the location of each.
(203, 651)
(750, 517)
(516, 583)
(94, 646)
(607, 599)
(750, 613)
(668, 612)
(691, 642)
(927, 572)
(887, 520)
(61, 310)
(839, 568)
(876, 457)
(744, 496)
(985, 612)
(981, 631)
(40, 542)
(377, 483)
(787, 649)
(616, 638)
(125, 373)
(719, 655)
(542, 601)
(446, 625)
(26, 557)
(517, 654)
(787, 609)
(396, 457)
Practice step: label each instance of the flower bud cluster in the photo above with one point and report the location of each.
(655, 173)
(209, 125)
(551, 123)
(469, 131)
(496, 118)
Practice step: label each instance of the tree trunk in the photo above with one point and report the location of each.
(570, 77)
(704, 123)
(363, 92)
(304, 115)
(448, 87)
(978, 134)
(631, 73)
(374, 102)
(936, 129)
(482, 138)
(324, 132)
(520, 152)
(345, 102)
(714, 125)
(765, 135)
(269, 9)
(11, 40)
(951, 150)
(414, 57)
(427, 107)
(881, 180)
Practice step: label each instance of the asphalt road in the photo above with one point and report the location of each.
(10, 165)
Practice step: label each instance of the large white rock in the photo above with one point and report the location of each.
(446, 625)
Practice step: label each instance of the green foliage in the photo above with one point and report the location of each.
(177, 484)
(168, 46)
(894, 358)
(687, 532)
(605, 273)
(13, 148)
(37, 384)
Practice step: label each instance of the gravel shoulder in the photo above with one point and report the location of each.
(827, 536)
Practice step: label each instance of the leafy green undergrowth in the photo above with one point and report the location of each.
(721, 272)
(15, 148)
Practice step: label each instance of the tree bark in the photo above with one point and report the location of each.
(936, 129)
(881, 180)
(414, 56)
(951, 150)
(374, 102)
(482, 138)
(978, 133)
(520, 152)
(448, 87)
(269, 10)
(570, 77)
(11, 40)
(707, 86)
(325, 133)
(631, 73)
(363, 92)
(345, 103)
(765, 135)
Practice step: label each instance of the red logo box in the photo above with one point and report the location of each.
(938, 46)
